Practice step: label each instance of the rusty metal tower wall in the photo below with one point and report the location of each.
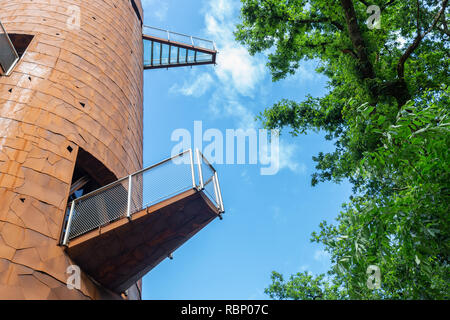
(76, 86)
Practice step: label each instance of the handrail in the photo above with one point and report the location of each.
(177, 33)
(129, 194)
(207, 162)
(114, 183)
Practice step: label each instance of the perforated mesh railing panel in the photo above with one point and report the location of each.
(159, 183)
(209, 182)
(148, 187)
(100, 209)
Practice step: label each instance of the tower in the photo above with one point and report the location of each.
(71, 122)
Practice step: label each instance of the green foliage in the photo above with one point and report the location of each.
(387, 110)
(302, 286)
(403, 228)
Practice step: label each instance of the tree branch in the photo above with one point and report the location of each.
(387, 5)
(357, 39)
(445, 31)
(350, 52)
(321, 45)
(320, 20)
(444, 28)
(417, 41)
(364, 3)
(418, 17)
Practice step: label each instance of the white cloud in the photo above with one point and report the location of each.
(235, 66)
(246, 119)
(236, 78)
(322, 256)
(161, 12)
(288, 158)
(156, 8)
(195, 88)
(237, 72)
(222, 9)
(237, 75)
(304, 267)
(306, 72)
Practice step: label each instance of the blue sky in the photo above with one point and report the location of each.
(269, 219)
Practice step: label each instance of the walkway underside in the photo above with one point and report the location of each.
(122, 252)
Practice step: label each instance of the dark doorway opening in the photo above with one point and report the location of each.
(20, 42)
(89, 175)
(12, 48)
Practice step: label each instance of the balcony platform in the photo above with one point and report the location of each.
(122, 252)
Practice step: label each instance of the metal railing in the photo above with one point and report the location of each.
(179, 37)
(141, 190)
(8, 54)
(165, 55)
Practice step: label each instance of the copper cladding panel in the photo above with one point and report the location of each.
(71, 88)
(123, 252)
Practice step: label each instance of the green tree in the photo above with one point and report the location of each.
(387, 111)
(302, 286)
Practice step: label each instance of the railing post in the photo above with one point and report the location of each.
(219, 192)
(191, 157)
(200, 173)
(130, 186)
(69, 224)
(216, 192)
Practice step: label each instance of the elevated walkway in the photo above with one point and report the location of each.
(166, 49)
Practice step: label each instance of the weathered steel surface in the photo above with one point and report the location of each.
(126, 250)
(71, 88)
